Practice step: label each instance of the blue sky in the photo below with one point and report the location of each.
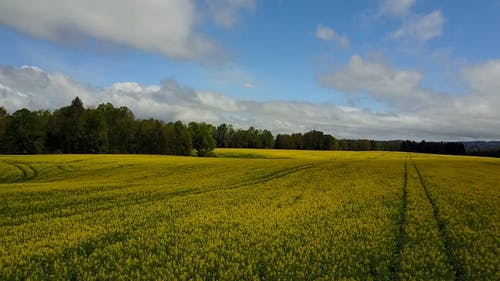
(369, 69)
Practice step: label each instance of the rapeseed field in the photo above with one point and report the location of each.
(250, 215)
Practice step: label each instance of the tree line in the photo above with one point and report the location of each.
(452, 148)
(104, 129)
(109, 129)
(317, 140)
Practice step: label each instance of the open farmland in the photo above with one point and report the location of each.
(250, 215)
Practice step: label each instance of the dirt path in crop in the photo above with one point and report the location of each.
(398, 248)
(452, 259)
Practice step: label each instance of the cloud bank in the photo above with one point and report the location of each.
(470, 116)
(166, 27)
(378, 80)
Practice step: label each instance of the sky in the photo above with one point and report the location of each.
(376, 69)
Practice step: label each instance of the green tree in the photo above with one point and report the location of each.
(363, 145)
(150, 137)
(297, 141)
(239, 139)
(328, 142)
(252, 138)
(203, 140)
(282, 141)
(121, 128)
(4, 121)
(67, 127)
(25, 133)
(266, 139)
(223, 135)
(179, 140)
(95, 132)
(334, 144)
(183, 139)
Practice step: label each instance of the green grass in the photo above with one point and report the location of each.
(250, 215)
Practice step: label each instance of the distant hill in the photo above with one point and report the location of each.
(476, 146)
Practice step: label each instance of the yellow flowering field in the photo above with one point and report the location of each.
(250, 215)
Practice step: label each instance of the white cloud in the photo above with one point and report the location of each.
(395, 8)
(422, 112)
(218, 101)
(33, 68)
(224, 12)
(32, 88)
(166, 27)
(133, 87)
(484, 79)
(249, 85)
(378, 80)
(421, 27)
(470, 116)
(232, 74)
(326, 33)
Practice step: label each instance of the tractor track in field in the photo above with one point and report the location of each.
(276, 175)
(452, 259)
(27, 170)
(155, 197)
(264, 179)
(395, 266)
